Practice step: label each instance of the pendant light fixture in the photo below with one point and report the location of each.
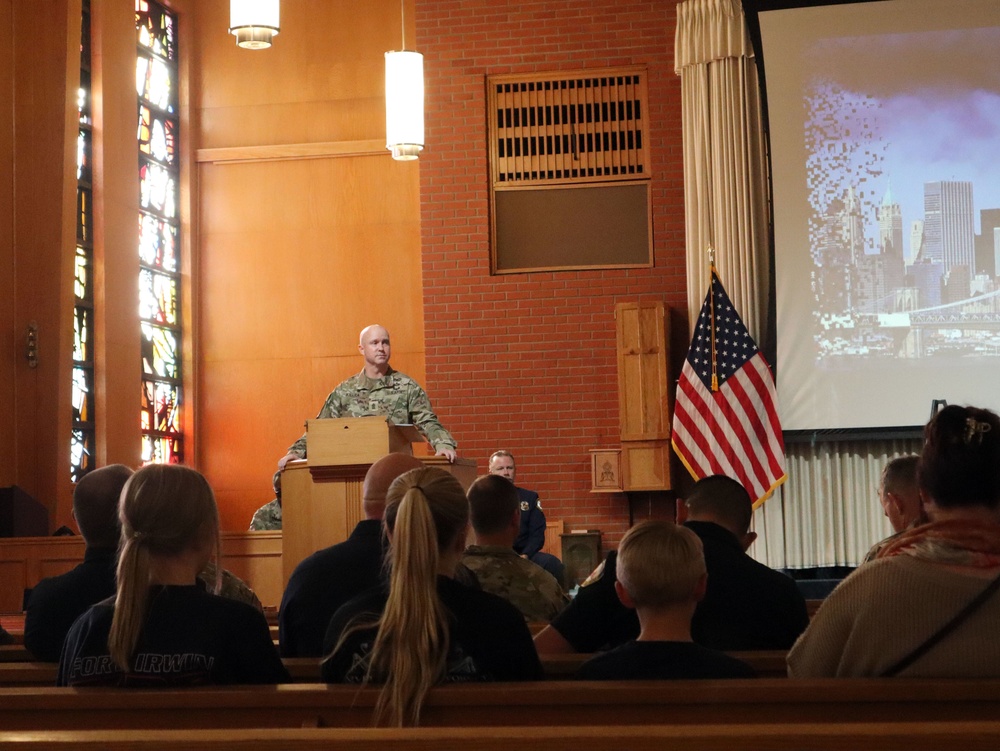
(404, 99)
(254, 23)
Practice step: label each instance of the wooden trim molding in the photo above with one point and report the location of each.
(291, 151)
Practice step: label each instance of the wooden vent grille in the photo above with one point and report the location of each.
(580, 127)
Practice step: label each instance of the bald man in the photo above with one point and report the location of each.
(330, 577)
(380, 390)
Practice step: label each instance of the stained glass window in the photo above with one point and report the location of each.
(159, 233)
(82, 435)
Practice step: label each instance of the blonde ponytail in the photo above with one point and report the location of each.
(165, 509)
(425, 510)
(130, 603)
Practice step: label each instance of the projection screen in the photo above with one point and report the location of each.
(884, 130)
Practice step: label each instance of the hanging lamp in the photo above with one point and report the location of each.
(254, 23)
(404, 99)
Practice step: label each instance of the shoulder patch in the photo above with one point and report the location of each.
(595, 575)
(524, 506)
(538, 503)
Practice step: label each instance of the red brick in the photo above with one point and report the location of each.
(533, 369)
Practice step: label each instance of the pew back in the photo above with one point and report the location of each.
(900, 736)
(499, 704)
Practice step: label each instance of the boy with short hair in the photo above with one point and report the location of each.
(661, 574)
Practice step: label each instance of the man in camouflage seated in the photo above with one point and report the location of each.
(496, 518)
(268, 517)
(380, 390)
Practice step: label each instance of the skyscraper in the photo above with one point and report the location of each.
(890, 235)
(949, 225)
(890, 223)
(916, 240)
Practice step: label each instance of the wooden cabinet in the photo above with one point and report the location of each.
(642, 395)
(642, 371)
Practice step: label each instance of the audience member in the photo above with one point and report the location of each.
(268, 516)
(496, 518)
(57, 601)
(900, 498)
(162, 628)
(424, 627)
(926, 606)
(531, 532)
(661, 575)
(747, 606)
(330, 577)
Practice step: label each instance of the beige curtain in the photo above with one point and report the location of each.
(725, 182)
(827, 513)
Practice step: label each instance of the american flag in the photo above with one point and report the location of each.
(725, 418)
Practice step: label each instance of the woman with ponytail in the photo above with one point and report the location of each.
(929, 604)
(425, 628)
(162, 628)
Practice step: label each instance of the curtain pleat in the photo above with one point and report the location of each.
(827, 513)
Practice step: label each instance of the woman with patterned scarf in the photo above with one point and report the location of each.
(929, 604)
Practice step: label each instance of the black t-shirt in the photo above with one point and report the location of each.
(56, 602)
(189, 638)
(322, 583)
(652, 660)
(747, 606)
(489, 640)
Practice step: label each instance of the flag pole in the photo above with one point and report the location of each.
(711, 297)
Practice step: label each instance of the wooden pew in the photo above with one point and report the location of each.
(15, 653)
(536, 704)
(18, 669)
(898, 736)
(28, 673)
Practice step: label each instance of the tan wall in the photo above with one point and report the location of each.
(307, 232)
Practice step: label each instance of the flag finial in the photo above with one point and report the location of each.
(711, 256)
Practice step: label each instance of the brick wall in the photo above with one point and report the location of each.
(527, 361)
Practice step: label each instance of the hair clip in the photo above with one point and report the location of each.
(975, 429)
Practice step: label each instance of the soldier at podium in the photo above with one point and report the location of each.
(380, 390)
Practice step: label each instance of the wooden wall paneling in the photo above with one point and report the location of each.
(322, 80)
(10, 338)
(24, 561)
(47, 73)
(288, 279)
(255, 557)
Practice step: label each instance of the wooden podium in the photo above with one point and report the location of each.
(321, 495)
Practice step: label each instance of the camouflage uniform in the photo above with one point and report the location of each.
(230, 586)
(396, 396)
(528, 587)
(267, 517)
